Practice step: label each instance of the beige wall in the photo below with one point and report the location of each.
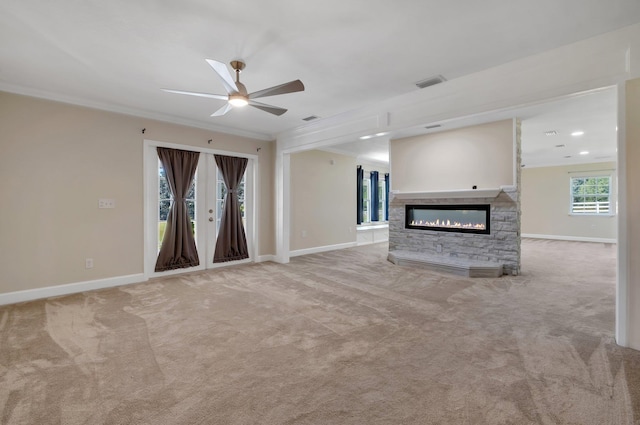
(546, 202)
(632, 210)
(480, 155)
(57, 160)
(374, 166)
(323, 199)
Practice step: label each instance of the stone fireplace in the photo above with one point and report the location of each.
(480, 236)
(457, 213)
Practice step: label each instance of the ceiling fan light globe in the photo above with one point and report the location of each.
(238, 101)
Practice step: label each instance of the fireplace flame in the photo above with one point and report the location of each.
(448, 224)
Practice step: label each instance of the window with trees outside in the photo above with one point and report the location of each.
(591, 195)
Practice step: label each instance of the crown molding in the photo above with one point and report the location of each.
(56, 97)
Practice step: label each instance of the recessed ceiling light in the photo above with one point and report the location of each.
(559, 146)
(369, 136)
(577, 133)
(551, 133)
(584, 153)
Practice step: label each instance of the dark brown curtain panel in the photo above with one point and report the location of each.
(178, 249)
(231, 244)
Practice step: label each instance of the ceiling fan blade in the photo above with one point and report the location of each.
(275, 110)
(290, 87)
(191, 93)
(220, 112)
(223, 72)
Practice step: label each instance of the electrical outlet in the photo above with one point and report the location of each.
(88, 263)
(304, 233)
(439, 248)
(106, 203)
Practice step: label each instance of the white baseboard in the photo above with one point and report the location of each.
(325, 248)
(569, 238)
(361, 243)
(70, 288)
(263, 258)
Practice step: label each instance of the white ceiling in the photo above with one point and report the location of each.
(371, 150)
(594, 113)
(117, 54)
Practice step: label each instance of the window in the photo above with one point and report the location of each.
(366, 200)
(372, 196)
(382, 199)
(591, 195)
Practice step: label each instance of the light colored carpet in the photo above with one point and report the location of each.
(343, 337)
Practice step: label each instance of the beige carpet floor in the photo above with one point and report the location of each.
(343, 337)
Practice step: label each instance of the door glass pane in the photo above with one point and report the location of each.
(165, 198)
(164, 202)
(221, 192)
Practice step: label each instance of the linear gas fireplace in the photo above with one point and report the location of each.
(449, 218)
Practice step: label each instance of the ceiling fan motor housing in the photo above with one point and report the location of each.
(239, 98)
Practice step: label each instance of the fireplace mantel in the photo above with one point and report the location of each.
(451, 194)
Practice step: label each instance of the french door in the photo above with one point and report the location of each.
(205, 202)
(211, 212)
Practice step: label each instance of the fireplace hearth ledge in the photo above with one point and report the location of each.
(451, 194)
(442, 264)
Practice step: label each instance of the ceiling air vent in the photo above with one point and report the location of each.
(430, 81)
(429, 127)
(310, 118)
(551, 133)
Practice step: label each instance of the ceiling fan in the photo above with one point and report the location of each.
(237, 93)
